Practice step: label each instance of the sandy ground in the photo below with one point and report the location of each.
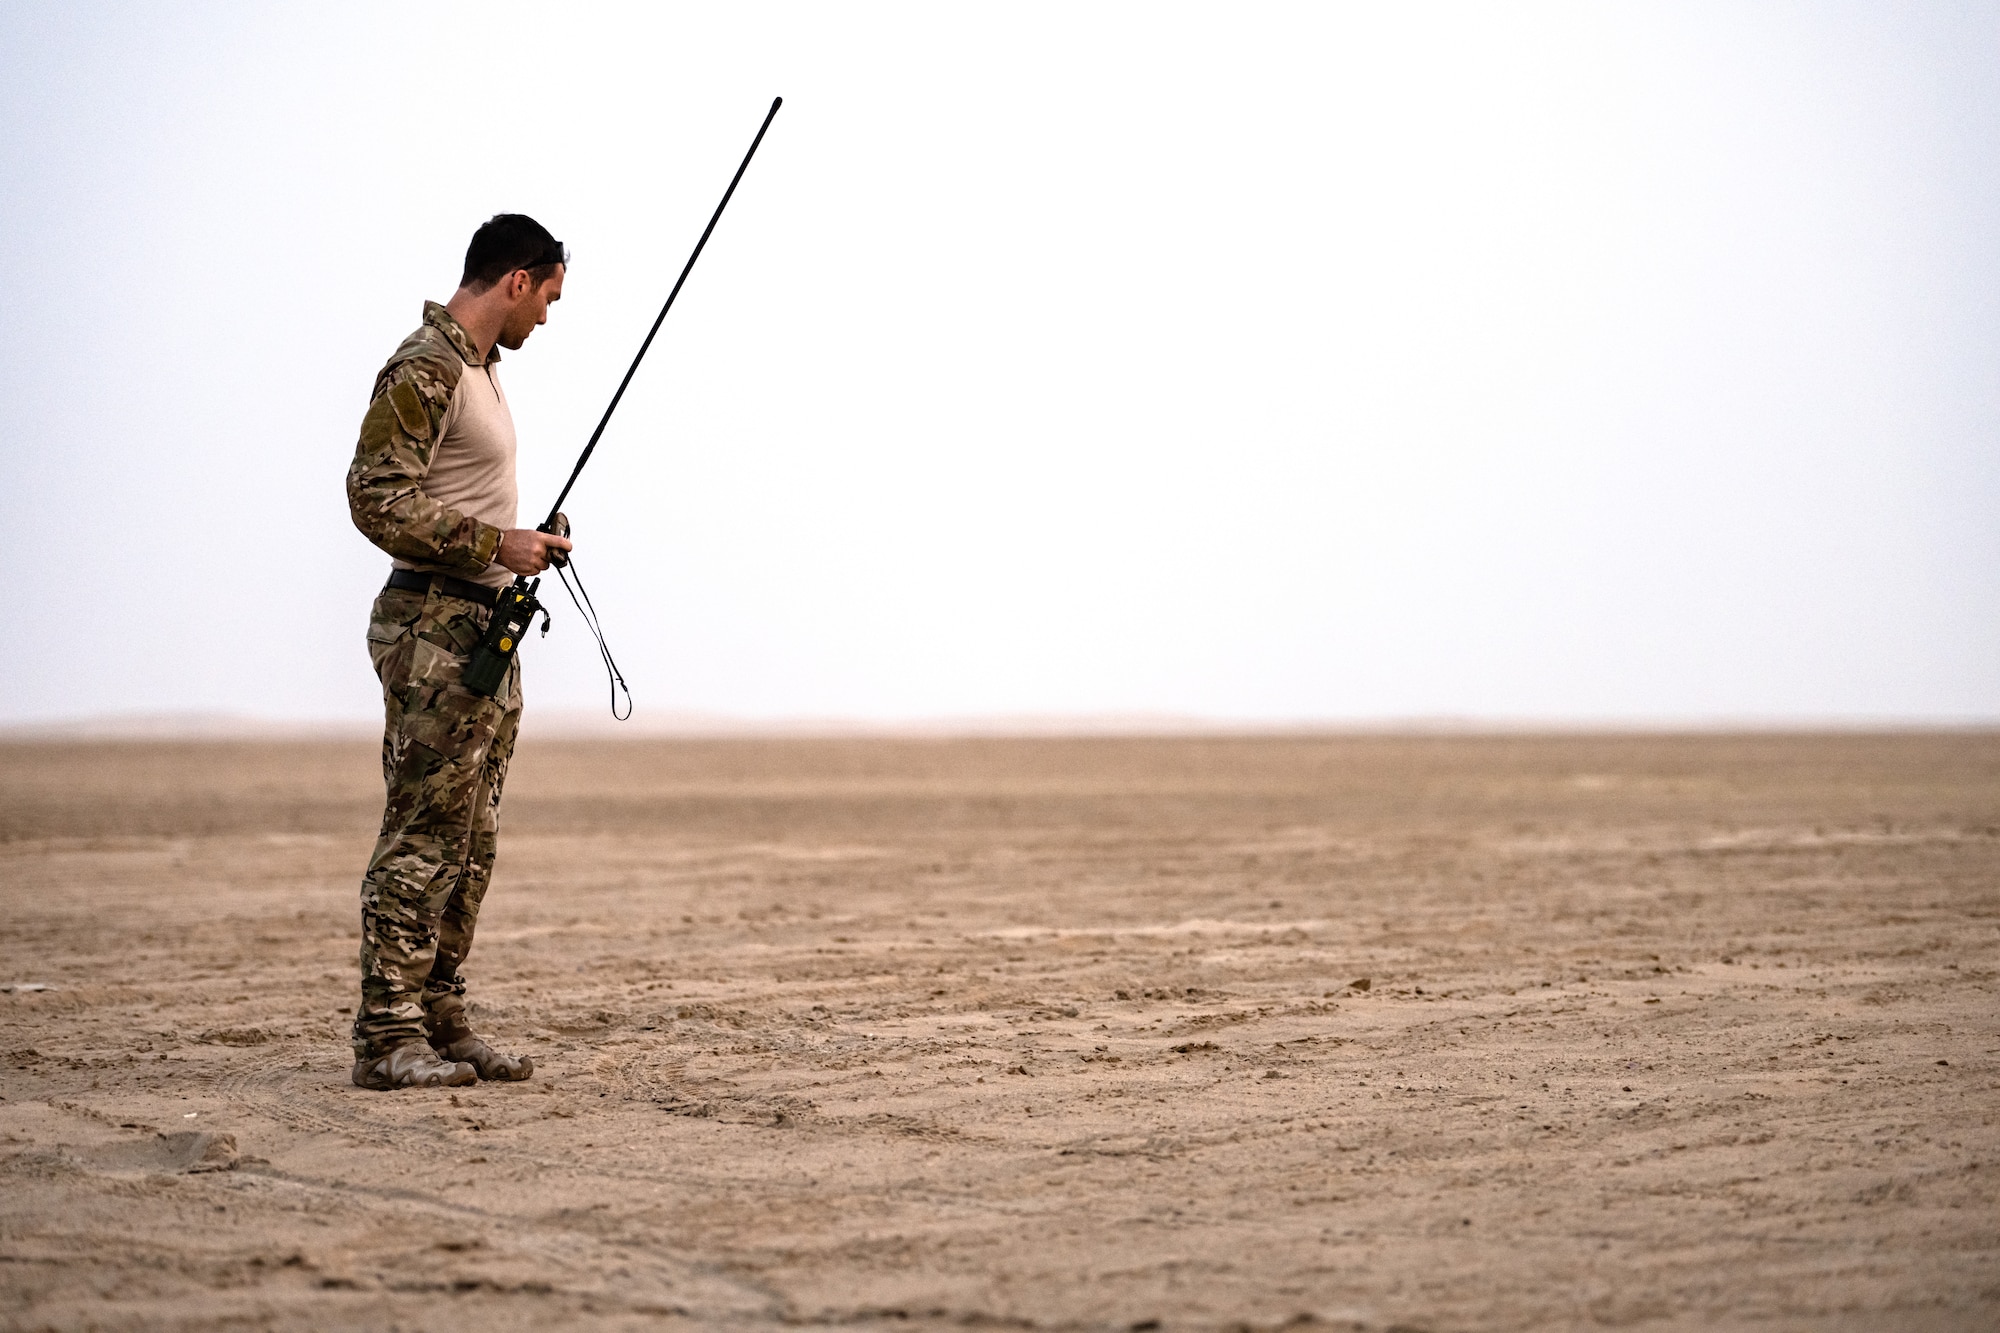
(1662, 1032)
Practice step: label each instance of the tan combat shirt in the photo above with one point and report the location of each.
(432, 481)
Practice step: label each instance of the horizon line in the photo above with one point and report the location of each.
(579, 724)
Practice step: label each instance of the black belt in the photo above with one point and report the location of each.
(417, 580)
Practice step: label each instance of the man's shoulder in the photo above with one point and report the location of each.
(426, 355)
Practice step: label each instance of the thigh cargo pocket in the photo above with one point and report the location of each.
(390, 625)
(454, 625)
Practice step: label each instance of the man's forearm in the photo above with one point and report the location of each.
(409, 525)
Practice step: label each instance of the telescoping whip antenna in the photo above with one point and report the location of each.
(518, 607)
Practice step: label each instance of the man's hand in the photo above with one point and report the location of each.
(526, 551)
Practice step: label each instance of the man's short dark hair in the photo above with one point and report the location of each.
(508, 241)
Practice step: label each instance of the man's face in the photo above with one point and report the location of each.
(531, 306)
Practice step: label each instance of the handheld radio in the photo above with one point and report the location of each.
(512, 615)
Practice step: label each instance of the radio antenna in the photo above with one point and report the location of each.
(548, 525)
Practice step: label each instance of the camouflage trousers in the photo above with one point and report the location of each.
(444, 757)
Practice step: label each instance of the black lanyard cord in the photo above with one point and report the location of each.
(589, 613)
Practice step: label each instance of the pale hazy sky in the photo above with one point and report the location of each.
(1243, 361)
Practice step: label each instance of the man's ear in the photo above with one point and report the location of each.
(518, 283)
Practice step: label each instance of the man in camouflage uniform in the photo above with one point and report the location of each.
(432, 484)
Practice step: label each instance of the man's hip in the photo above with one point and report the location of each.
(419, 641)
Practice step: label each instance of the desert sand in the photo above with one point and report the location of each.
(1370, 1032)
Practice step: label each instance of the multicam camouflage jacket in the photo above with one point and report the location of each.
(399, 434)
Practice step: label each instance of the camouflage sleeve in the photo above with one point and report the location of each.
(385, 494)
